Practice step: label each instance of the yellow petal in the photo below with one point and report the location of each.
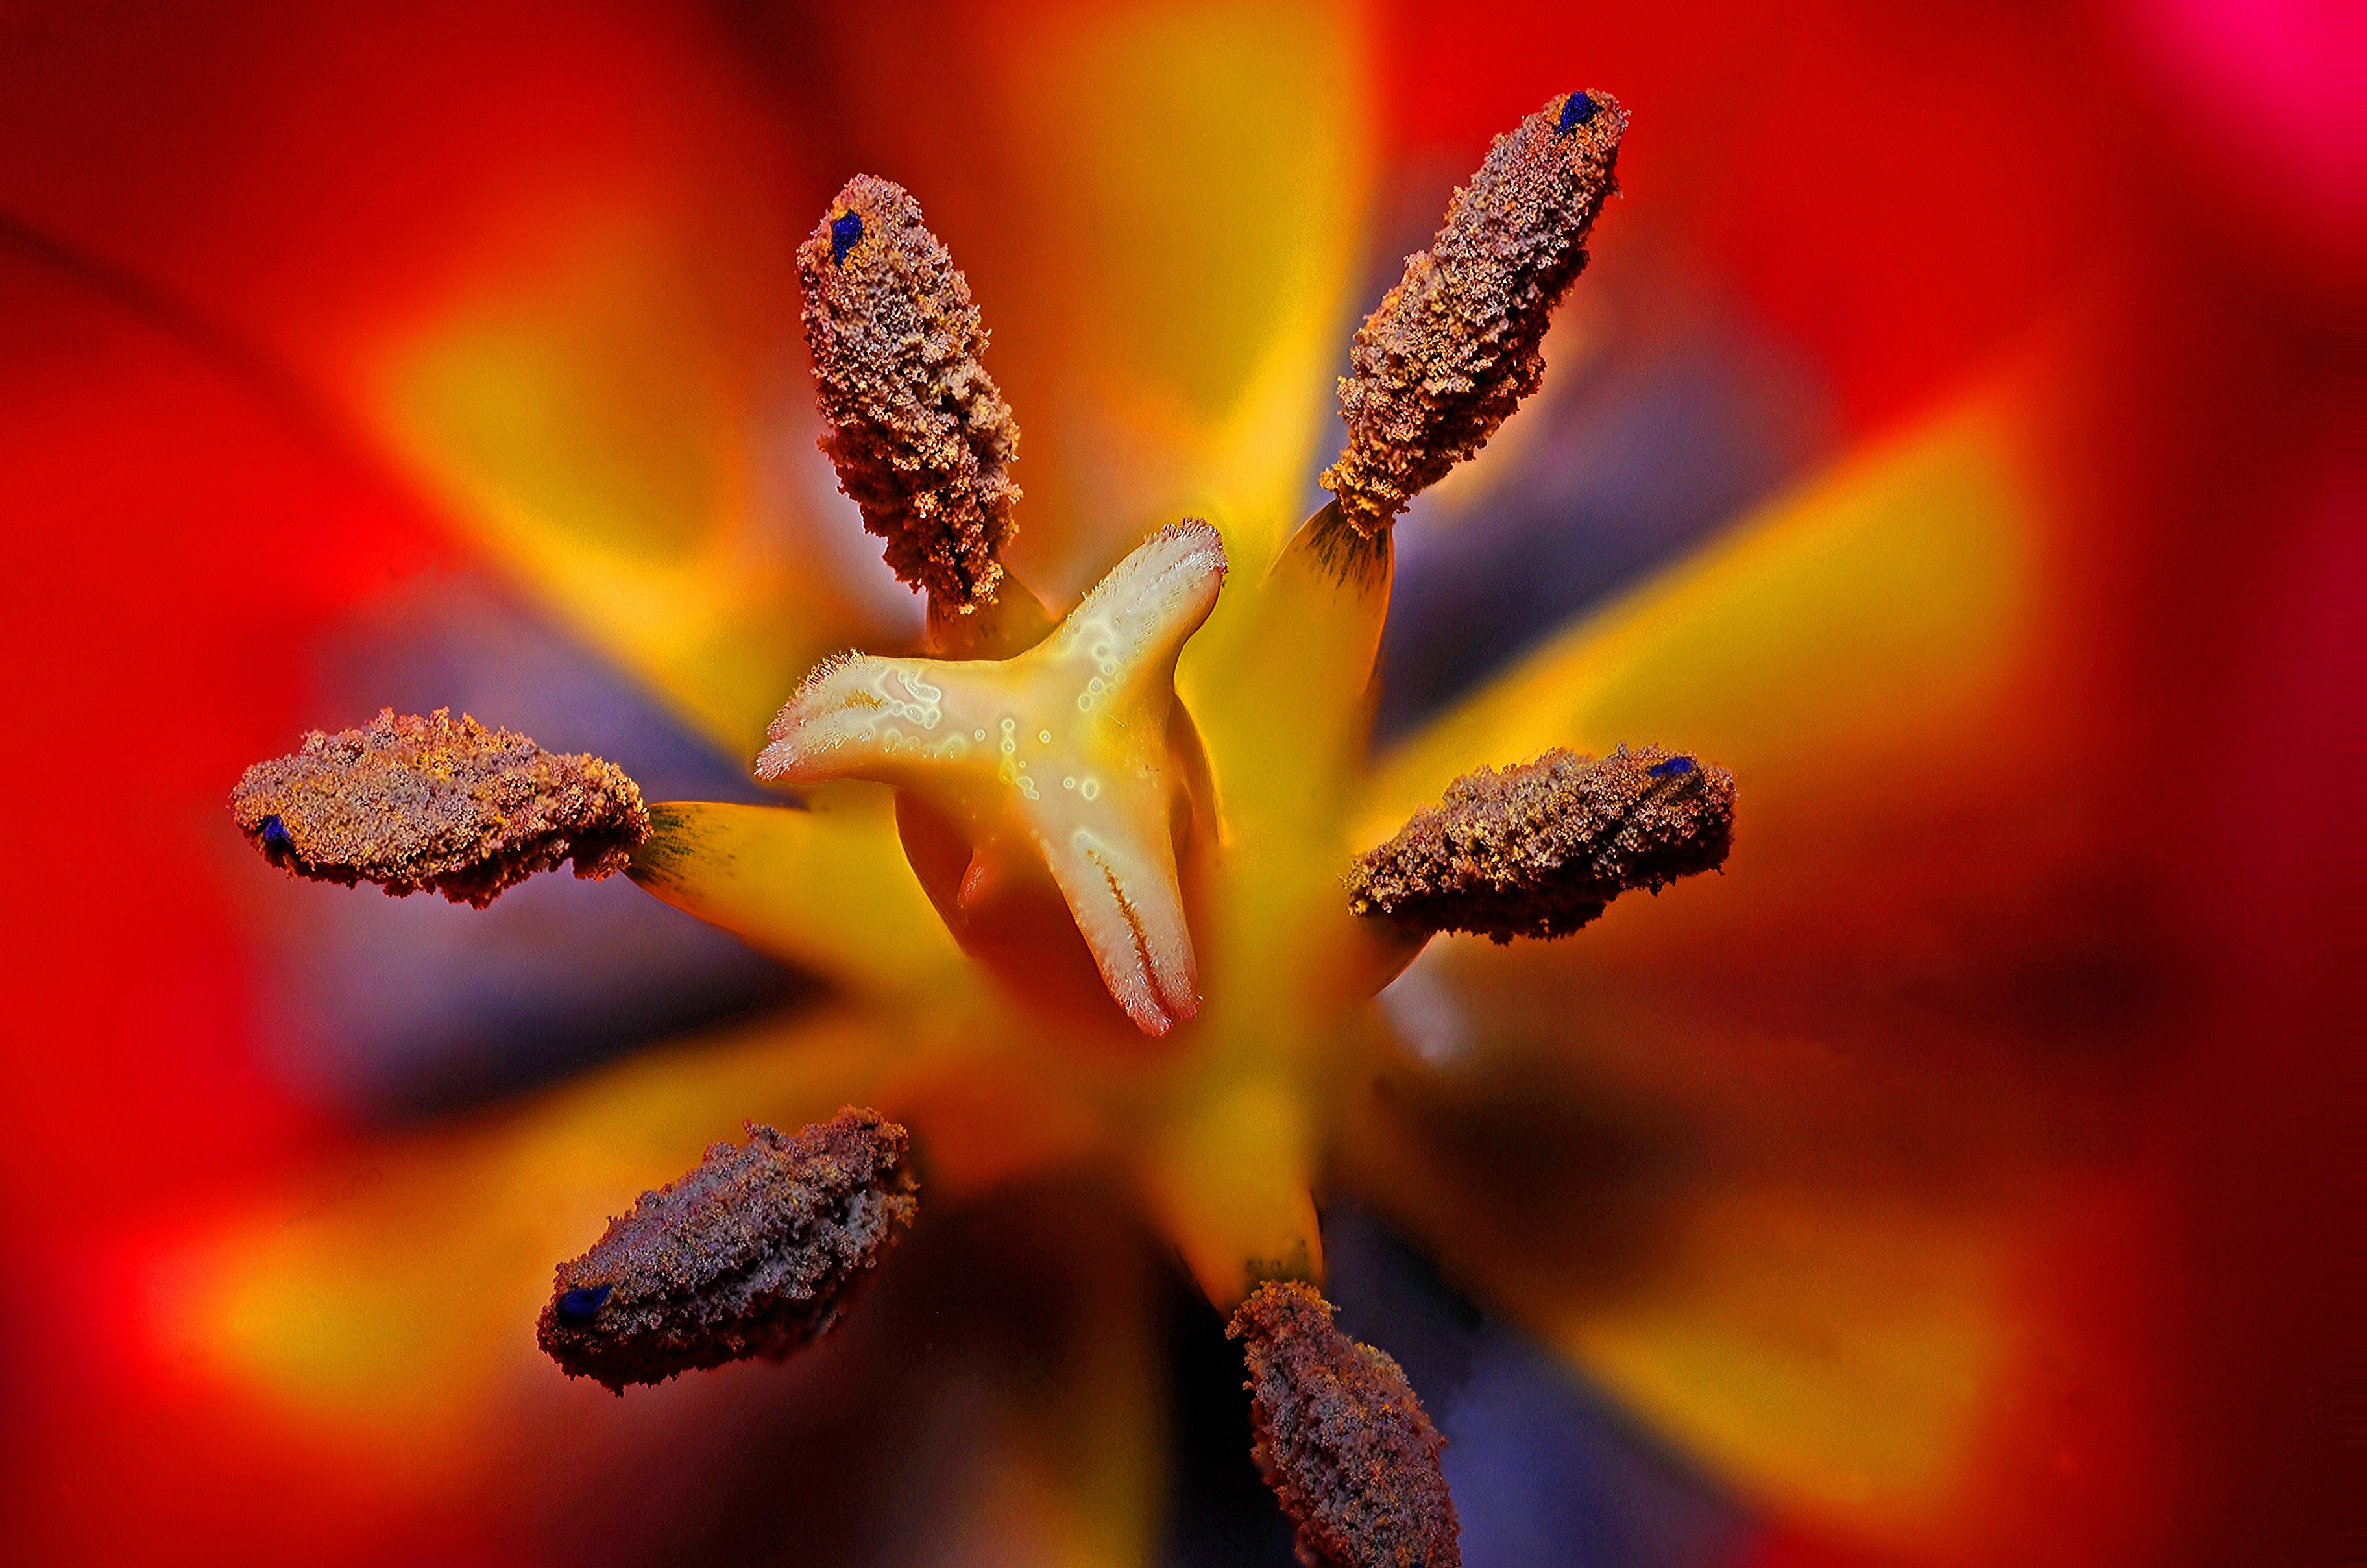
(1786, 1137)
(1160, 211)
(607, 418)
(1279, 684)
(1884, 607)
(395, 1311)
(1834, 1347)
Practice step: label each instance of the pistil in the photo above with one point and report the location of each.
(1056, 760)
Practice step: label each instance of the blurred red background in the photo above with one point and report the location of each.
(212, 220)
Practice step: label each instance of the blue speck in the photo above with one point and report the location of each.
(578, 1307)
(845, 231)
(276, 836)
(1672, 767)
(1575, 111)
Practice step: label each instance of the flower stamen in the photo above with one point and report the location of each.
(1343, 1438)
(918, 431)
(410, 802)
(754, 1253)
(1541, 848)
(1455, 347)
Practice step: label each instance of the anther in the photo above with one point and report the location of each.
(1342, 1439)
(755, 1252)
(1541, 848)
(919, 433)
(411, 803)
(1453, 348)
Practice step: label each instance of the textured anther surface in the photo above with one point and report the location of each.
(1538, 850)
(1453, 349)
(754, 1253)
(438, 802)
(918, 431)
(1342, 1439)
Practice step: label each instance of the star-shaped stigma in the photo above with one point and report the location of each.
(1059, 756)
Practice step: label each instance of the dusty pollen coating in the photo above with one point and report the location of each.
(1453, 349)
(918, 431)
(437, 802)
(754, 1253)
(1342, 1439)
(1540, 849)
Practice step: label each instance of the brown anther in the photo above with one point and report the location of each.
(919, 436)
(1342, 1439)
(1538, 850)
(411, 803)
(754, 1253)
(1455, 345)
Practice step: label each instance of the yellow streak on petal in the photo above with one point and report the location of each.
(1833, 1349)
(1234, 289)
(826, 889)
(393, 1318)
(1856, 654)
(1071, 1468)
(604, 429)
(1884, 604)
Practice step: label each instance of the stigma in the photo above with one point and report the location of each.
(1056, 758)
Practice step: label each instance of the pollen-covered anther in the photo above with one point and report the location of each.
(1455, 347)
(754, 1253)
(919, 433)
(1055, 757)
(1540, 849)
(438, 802)
(1342, 1439)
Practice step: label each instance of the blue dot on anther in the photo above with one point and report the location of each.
(276, 835)
(1672, 767)
(1576, 111)
(578, 1307)
(845, 231)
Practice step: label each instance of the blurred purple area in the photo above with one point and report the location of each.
(1667, 412)
(399, 1008)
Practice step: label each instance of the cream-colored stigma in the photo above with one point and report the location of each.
(1058, 755)
(1455, 347)
(918, 431)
